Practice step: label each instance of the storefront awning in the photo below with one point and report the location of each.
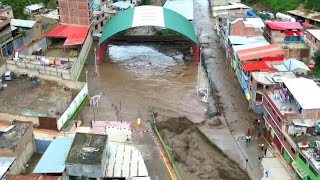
(301, 172)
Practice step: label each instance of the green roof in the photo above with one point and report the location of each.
(148, 16)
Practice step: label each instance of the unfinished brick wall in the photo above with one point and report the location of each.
(239, 29)
(75, 11)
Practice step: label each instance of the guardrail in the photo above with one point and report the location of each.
(154, 126)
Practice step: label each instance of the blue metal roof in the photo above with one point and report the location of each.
(53, 160)
(5, 163)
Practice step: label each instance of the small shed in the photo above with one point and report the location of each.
(88, 156)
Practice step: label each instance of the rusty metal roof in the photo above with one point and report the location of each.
(31, 177)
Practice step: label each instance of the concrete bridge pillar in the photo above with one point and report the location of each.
(101, 52)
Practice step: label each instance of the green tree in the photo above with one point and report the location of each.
(316, 58)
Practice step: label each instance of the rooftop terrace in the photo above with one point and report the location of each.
(308, 147)
(285, 107)
(87, 149)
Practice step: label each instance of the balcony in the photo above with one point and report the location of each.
(284, 105)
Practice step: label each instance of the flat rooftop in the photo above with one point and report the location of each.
(305, 91)
(284, 107)
(309, 151)
(269, 78)
(315, 33)
(313, 15)
(10, 139)
(19, 97)
(183, 7)
(295, 45)
(5, 163)
(87, 149)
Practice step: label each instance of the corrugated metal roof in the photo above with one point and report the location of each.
(31, 177)
(233, 6)
(313, 15)
(75, 35)
(293, 64)
(258, 66)
(183, 7)
(248, 46)
(5, 163)
(305, 91)
(55, 155)
(34, 7)
(315, 33)
(22, 23)
(125, 161)
(272, 50)
(281, 26)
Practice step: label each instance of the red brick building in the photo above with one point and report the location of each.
(291, 109)
(248, 27)
(78, 12)
(291, 37)
(313, 40)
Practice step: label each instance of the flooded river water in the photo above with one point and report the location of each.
(144, 78)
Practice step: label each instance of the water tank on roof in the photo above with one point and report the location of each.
(284, 17)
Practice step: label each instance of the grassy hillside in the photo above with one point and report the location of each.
(283, 5)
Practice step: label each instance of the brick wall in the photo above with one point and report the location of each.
(238, 29)
(313, 40)
(75, 12)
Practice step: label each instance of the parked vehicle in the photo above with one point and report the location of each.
(8, 76)
(284, 17)
(271, 15)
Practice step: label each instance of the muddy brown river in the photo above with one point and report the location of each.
(144, 78)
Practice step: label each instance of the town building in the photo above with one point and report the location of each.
(241, 43)
(233, 9)
(55, 155)
(299, 68)
(264, 81)
(291, 37)
(223, 2)
(247, 27)
(34, 9)
(309, 18)
(100, 17)
(18, 142)
(78, 12)
(313, 40)
(6, 11)
(6, 38)
(87, 156)
(292, 111)
(24, 31)
(256, 59)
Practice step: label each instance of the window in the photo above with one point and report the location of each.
(279, 119)
(284, 139)
(97, 18)
(269, 105)
(313, 170)
(302, 158)
(293, 151)
(259, 87)
(101, 24)
(102, 14)
(273, 112)
(96, 27)
(258, 97)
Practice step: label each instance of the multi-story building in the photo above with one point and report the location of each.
(264, 81)
(291, 37)
(256, 59)
(313, 40)
(248, 27)
(6, 11)
(78, 12)
(6, 38)
(100, 14)
(291, 114)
